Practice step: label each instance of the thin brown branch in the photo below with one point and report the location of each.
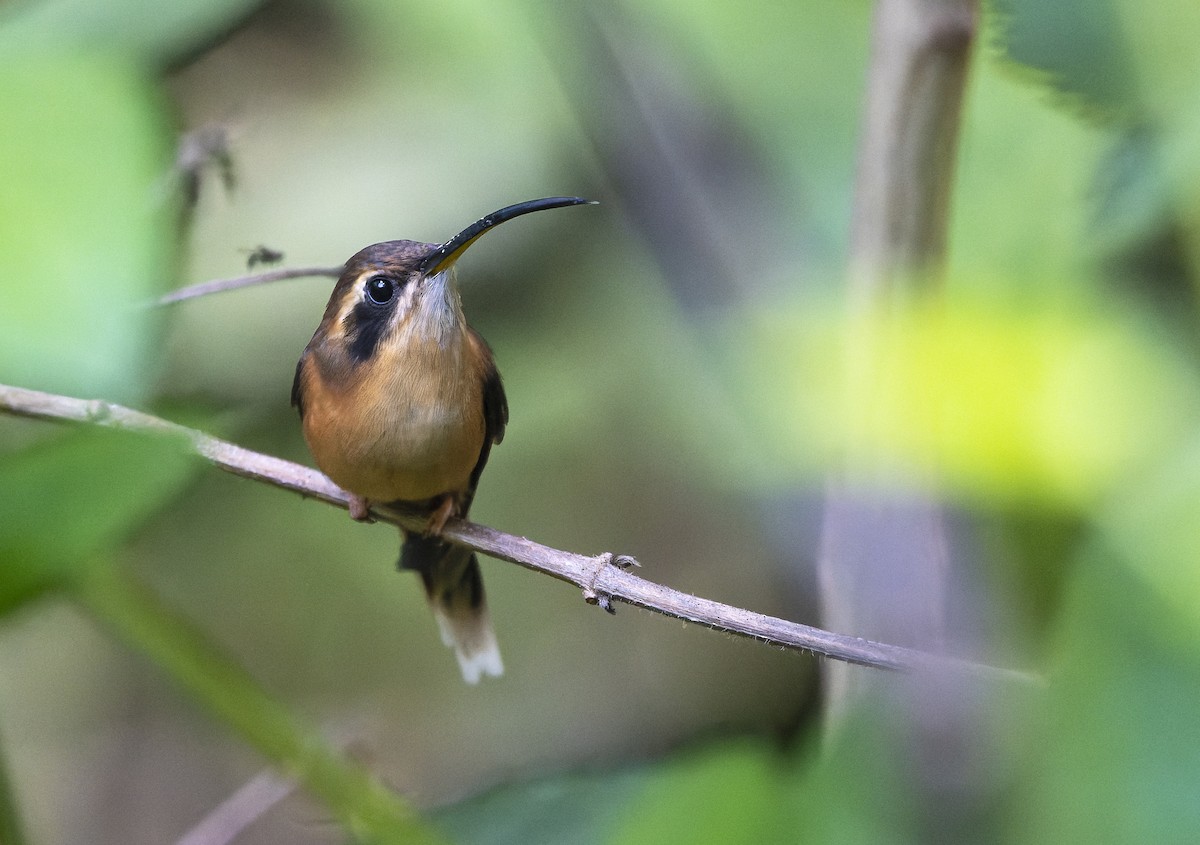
(603, 578)
(226, 822)
(219, 285)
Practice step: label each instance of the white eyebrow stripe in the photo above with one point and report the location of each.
(401, 310)
(351, 302)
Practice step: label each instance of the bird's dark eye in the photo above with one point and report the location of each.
(380, 289)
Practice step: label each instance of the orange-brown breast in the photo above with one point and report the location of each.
(406, 425)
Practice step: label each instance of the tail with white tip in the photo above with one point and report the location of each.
(454, 586)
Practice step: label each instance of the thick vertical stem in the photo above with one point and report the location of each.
(920, 53)
(883, 564)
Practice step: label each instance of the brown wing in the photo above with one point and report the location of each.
(495, 414)
(495, 406)
(298, 387)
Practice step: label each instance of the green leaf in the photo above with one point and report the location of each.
(860, 790)
(84, 241)
(580, 808)
(1119, 751)
(726, 793)
(149, 31)
(1152, 525)
(1160, 38)
(1075, 45)
(66, 500)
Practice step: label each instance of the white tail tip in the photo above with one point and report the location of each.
(474, 643)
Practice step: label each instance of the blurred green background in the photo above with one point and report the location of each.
(673, 362)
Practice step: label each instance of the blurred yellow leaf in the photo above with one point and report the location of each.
(1042, 406)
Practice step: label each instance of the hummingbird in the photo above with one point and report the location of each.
(401, 402)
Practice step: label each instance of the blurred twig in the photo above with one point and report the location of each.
(241, 809)
(11, 832)
(602, 578)
(365, 807)
(218, 285)
(250, 802)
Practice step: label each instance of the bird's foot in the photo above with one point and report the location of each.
(360, 509)
(437, 519)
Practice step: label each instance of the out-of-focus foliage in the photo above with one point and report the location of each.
(584, 808)
(66, 501)
(134, 29)
(82, 246)
(1116, 751)
(366, 808)
(1049, 396)
(88, 211)
(1076, 46)
(1010, 406)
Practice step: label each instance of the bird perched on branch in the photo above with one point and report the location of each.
(401, 401)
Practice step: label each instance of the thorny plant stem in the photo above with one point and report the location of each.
(603, 578)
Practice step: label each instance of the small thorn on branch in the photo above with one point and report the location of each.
(593, 595)
(601, 600)
(98, 411)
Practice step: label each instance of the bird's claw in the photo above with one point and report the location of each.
(438, 519)
(360, 509)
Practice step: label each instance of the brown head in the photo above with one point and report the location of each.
(394, 287)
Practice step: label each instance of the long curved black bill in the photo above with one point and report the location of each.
(445, 255)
